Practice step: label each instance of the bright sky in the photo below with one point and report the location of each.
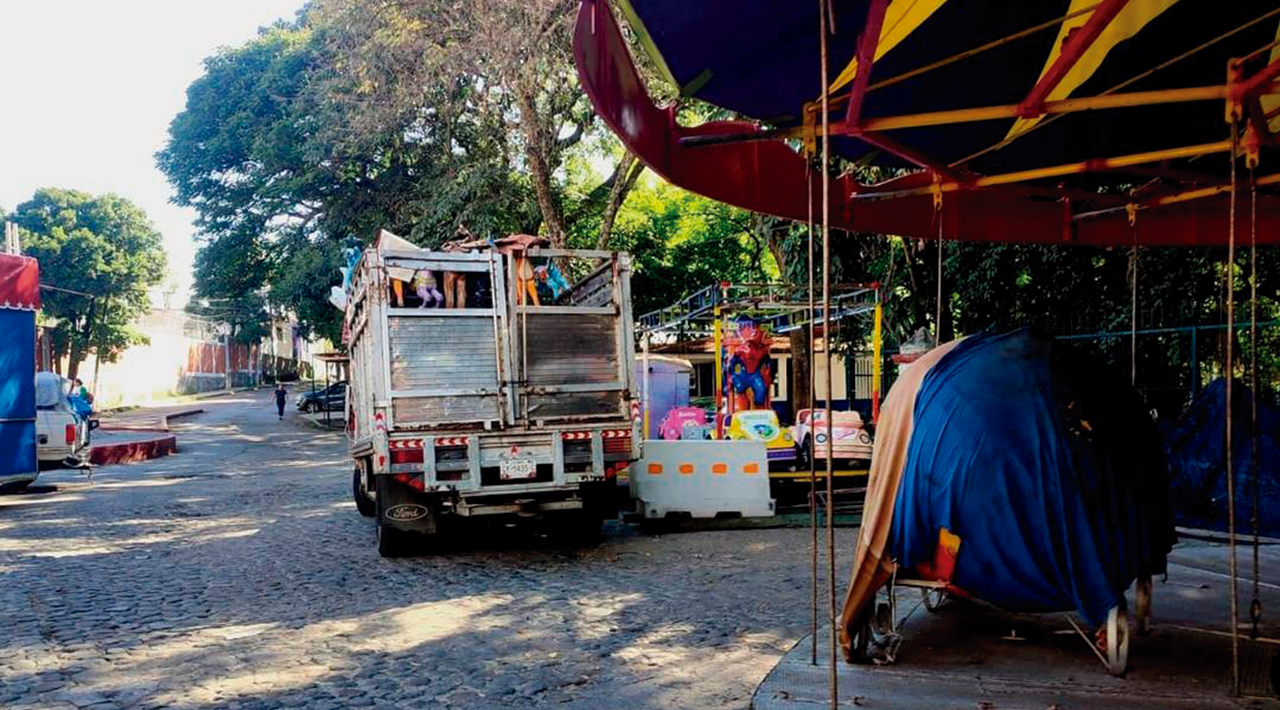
(87, 90)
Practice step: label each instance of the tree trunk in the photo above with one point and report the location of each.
(801, 367)
(625, 176)
(79, 345)
(75, 355)
(536, 152)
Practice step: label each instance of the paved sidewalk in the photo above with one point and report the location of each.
(965, 656)
(151, 417)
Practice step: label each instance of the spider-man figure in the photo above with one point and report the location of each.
(749, 367)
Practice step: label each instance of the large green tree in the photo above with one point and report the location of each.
(101, 254)
(350, 119)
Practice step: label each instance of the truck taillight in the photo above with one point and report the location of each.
(71, 434)
(412, 480)
(618, 444)
(406, 456)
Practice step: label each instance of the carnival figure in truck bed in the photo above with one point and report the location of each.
(748, 366)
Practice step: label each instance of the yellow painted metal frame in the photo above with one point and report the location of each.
(796, 475)
(1083, 166)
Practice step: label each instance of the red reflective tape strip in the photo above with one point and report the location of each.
(453, 441)
(604, 434)
(405, 444)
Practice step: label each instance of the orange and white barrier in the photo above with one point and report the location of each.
(702, 478)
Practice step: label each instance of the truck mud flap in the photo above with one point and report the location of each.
(403, 508)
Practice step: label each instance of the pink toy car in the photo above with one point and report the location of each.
(684, 423)
(851, 440)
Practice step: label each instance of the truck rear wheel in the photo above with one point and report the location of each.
(364, 505)
(578, 528)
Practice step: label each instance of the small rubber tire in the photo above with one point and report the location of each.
(14, 487)
(860, 639)
(1142, 604)
(933, 598)
(1118, 640)
(364, 505)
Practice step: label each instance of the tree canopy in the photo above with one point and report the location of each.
(101, 254)
(429, 117)
(352, 118)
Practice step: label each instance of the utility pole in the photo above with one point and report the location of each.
(12, 244)
(226, 358)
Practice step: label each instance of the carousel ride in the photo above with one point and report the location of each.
(1106, 123)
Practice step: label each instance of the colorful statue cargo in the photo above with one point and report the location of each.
(748, 367)
(1016, 471)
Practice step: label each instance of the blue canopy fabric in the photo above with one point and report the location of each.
(1197, 462)
(1048, 469)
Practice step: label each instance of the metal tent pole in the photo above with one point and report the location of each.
(813, 462)
(1230, 463)
(1255, 605)
(826, 339)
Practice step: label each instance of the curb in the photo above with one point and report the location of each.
(197, 396)
(319, 424)
(133, 451)
(143, 450)
(164, 421)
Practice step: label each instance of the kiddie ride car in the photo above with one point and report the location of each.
(850, 441)
(762, 425)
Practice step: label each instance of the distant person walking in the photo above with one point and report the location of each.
(281, 393)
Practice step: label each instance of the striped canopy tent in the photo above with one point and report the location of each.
(1052, 121)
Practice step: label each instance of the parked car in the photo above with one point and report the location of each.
(332, 398)
(762, 425)
(62, 435)
(850, 439)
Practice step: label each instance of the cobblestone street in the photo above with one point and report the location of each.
(237, 574)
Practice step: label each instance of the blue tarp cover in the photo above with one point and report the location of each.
(1197, 461)
(1046, 466)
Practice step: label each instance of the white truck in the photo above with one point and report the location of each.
(492, 407)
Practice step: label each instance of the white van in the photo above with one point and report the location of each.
(62, 437)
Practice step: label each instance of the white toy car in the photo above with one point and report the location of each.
(851, 440)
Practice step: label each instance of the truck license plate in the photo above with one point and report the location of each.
(517, 469)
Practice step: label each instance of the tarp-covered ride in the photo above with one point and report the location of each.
(1012, 469)
(1197, 462)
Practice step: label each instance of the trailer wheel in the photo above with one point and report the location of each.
(1142, 593)
(860, 640)
(366, 507)
(1118, 639)
(933, 598)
